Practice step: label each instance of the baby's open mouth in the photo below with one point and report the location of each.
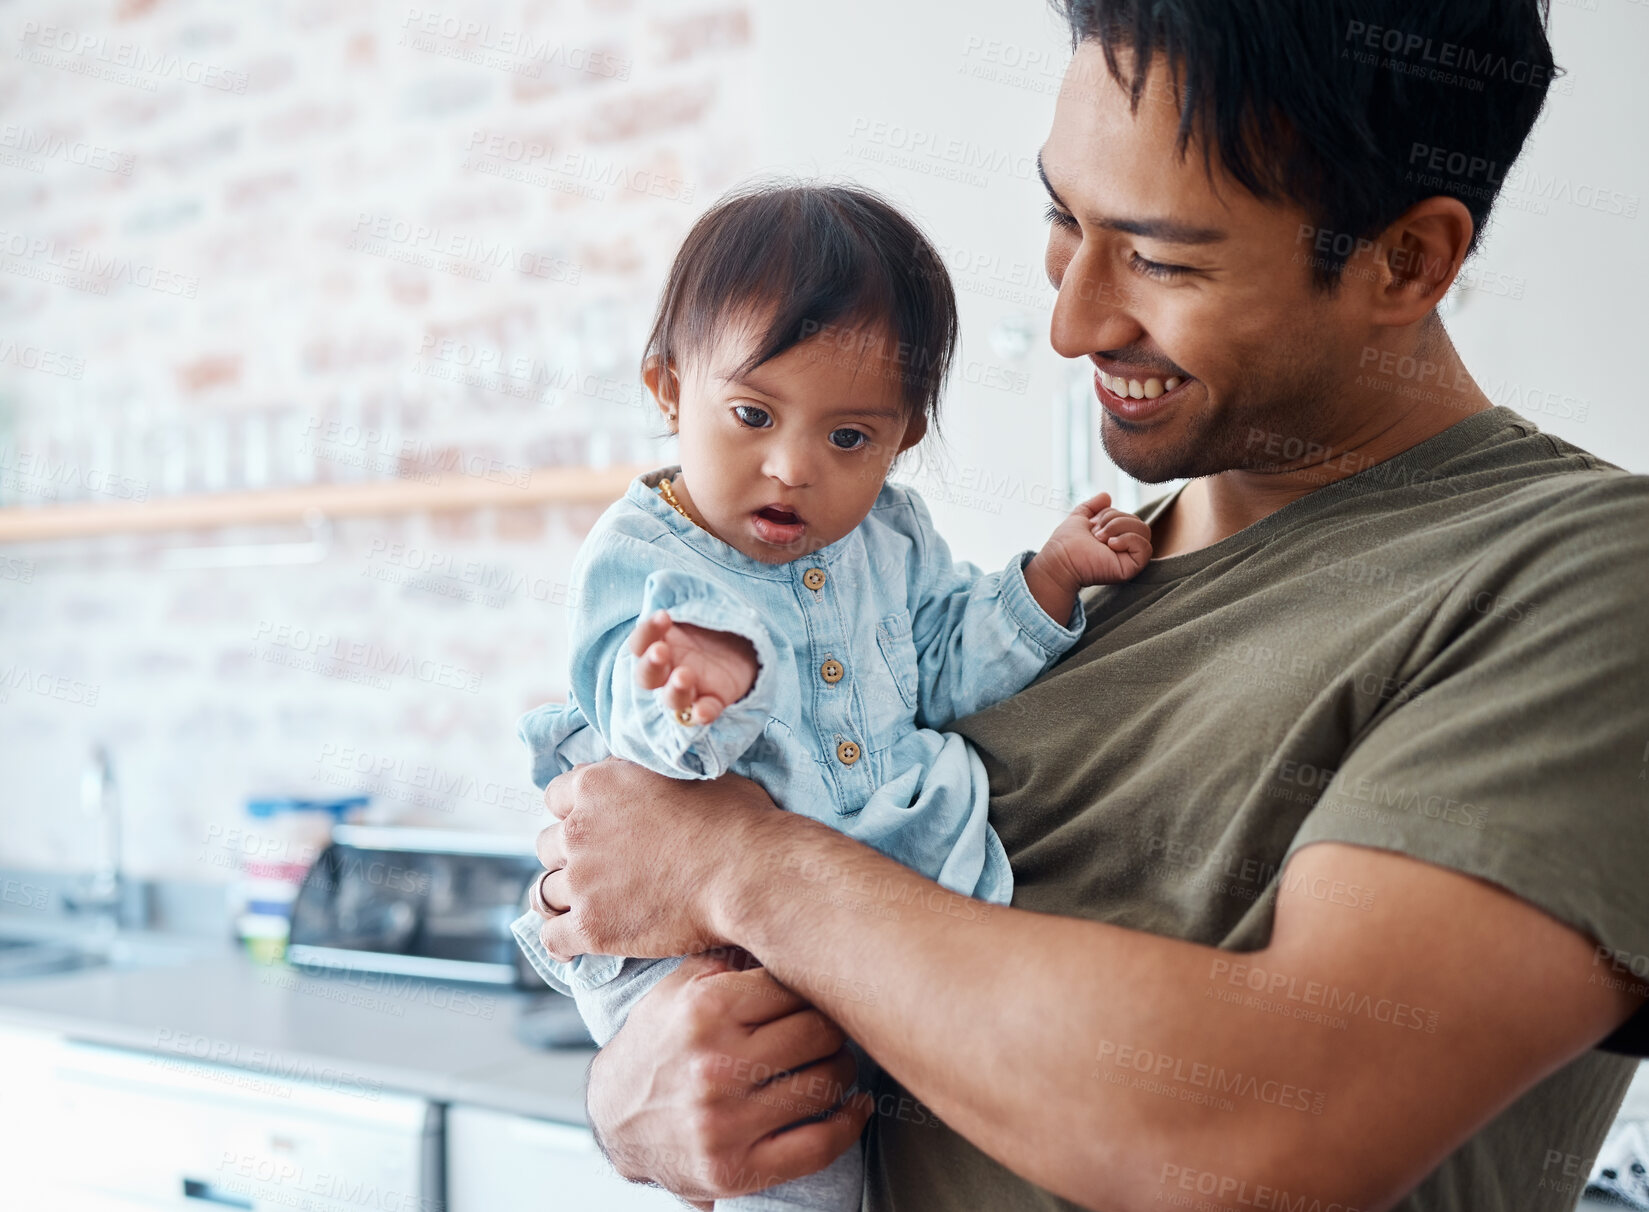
(779, 525)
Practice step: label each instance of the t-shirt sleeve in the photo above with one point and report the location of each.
(1518, 750)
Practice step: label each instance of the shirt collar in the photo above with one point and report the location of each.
(643, 493)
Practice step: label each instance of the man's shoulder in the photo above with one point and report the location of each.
(1503, 480)
(1498, 446)
(1600, 503)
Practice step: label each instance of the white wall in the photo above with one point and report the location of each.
(896, 96)
(1568, 345)
(985, 73)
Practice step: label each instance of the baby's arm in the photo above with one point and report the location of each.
(982, 637)
(1094, 545)
(717, 660)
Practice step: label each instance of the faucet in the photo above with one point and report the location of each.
(104, 890)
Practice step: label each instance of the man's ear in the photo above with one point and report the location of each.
(1415, 260)
(664, 386)
(915, 430)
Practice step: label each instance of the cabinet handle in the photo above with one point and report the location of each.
(207, 1193)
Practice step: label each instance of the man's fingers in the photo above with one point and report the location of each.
(803, 1038)
(548, 847)
(561, 792)
(535, 898)
(548, 894)
(810, 1147)
(562, 938)
(750, 997)
(752, 1112)
(812, 1089)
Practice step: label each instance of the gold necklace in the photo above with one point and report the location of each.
(669, 495)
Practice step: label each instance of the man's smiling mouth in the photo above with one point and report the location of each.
(1139, 389)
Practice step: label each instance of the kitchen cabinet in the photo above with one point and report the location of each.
(94, 1127)
(499, 1162)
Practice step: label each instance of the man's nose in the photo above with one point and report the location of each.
(1094, 310)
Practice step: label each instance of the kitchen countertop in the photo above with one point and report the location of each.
(448, 1043)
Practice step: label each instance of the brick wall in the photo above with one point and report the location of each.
(264, 244)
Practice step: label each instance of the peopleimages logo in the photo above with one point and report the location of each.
(120, 62)
(100, 268)
(452, 252)
(38, 145)
(1441, 60)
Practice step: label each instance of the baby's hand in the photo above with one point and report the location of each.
(1099, 545)
(702, 671)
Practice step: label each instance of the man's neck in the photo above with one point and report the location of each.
(1215, 507)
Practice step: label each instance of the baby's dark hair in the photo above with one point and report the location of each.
(829, 261)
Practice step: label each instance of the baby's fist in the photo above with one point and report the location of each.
(1099, 544)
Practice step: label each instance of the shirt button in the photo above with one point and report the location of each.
(847, 753)
(831, 671)
(814, 578)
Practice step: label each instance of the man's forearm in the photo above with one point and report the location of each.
(1102, 1062)
(994, 1017)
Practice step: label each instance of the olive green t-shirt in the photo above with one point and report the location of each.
(1445, 655)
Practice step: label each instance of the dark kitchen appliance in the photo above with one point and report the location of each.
(432, 903)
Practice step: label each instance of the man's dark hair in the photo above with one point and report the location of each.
(1352, 111)
(835, 262)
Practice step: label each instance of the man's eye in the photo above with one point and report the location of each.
(1155, 269)
(1060, 218)
(847, 439)
(752, 416)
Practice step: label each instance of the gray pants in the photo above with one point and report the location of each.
(839, 1187)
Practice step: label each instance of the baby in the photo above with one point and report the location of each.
(772, 606)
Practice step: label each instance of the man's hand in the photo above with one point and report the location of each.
(1094, 545)
(699, 1090)
(702, 671)
(635, 859)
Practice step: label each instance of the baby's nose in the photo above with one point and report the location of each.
(790, 467)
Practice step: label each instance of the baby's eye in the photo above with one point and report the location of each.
(752, 416)
(848, 439)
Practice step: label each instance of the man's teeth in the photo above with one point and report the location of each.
(1150, 389)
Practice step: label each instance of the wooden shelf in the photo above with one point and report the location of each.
(545, 486)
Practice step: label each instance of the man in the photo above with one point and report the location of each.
(1330, 836)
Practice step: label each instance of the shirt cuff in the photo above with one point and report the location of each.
(585, 971)
(708, 750)
(1027, 613)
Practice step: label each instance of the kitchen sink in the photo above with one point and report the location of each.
(43, 956)
(47, 953)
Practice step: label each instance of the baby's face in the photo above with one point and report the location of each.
(790, 458)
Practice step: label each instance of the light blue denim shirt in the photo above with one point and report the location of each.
(865, 649)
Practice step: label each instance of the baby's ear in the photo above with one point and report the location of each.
(664, 385)
(915, 430)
